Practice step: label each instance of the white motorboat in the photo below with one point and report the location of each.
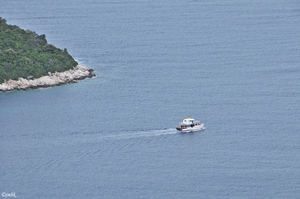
(190, 125)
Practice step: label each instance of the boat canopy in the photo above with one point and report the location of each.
(188, 121)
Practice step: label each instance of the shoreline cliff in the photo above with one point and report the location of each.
(79, 72)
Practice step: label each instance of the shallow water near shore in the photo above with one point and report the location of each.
(233, 65)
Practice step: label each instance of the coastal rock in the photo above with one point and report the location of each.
(52, 79)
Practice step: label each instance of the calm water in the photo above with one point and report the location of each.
(234, 65)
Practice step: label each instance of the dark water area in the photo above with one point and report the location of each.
(233, 65)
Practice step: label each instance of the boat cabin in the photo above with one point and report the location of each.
(188, 121)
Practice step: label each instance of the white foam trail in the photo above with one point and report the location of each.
(142, 134)
(98, 137)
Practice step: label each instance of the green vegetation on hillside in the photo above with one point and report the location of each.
(24, 53)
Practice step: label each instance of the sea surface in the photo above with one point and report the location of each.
(234, 65)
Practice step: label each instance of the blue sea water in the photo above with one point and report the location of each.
(232, 64)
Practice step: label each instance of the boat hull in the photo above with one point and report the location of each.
(192, 129)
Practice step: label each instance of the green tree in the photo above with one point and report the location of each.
(24, 53)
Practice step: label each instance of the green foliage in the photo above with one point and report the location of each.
(25, 53)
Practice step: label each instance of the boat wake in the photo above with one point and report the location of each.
(138, 134)
(96, 137)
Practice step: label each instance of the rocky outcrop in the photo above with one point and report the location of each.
(52, 79)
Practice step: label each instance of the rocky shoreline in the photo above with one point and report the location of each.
(52, 79)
